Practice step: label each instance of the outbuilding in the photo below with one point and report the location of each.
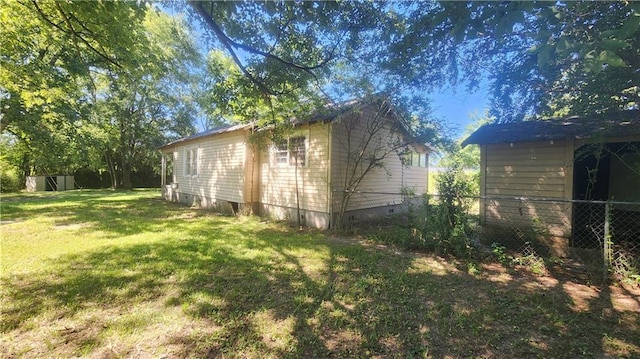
(49, 183)
(570, 181)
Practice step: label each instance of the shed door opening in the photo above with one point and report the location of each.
(51, 183)
(604, 172)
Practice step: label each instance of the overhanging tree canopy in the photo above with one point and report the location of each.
(540, 58)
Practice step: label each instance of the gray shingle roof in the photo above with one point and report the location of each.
(617, 124)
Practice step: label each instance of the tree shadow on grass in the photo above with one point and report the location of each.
(256, 290)
(355, 305)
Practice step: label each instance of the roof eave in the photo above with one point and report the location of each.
(205, 135)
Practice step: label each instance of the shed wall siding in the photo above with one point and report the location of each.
(221, 171)
(530, 170)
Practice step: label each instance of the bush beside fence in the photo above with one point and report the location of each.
(598, 238)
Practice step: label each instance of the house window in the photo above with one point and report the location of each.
(191, 162)
(291, 152)
(417, 159)
(297, 151)
(281, 153)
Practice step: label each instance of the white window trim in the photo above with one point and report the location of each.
(274, 150)
(188, 166)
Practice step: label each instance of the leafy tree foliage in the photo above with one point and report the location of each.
(142, 106)
(540, 57)
(49, 50)
(229, 96)
(48, 45)
(94, 84)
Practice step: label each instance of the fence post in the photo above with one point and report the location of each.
(607, 241)
(426, 215)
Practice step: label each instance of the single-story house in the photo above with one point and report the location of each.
(539, 175)
(304, 176)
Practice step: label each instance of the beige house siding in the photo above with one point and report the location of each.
(220, 170)
(530, 171)
(415, 178)
(379, 187)
(278, 181)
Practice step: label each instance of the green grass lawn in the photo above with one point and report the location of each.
(114, 274)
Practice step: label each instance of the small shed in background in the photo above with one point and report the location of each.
(49, 183)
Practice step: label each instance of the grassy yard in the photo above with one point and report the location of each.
(111, 274)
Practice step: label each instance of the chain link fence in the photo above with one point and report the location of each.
(597, 238)
(590, 236)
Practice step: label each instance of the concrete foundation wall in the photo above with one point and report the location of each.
(370, 215)
(222, 206)
(312, 219)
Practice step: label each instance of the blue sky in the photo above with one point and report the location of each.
(457, 105)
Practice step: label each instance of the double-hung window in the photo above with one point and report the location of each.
(281, 153)
(191, 162)
(292, 152)
(298, 151)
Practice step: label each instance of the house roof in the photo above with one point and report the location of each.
(209, 132)
(327, 114)
(609, 125)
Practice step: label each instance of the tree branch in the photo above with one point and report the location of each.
(227, 44)
(72, 31)
(232, 45)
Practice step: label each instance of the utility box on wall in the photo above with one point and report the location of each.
(49, 183)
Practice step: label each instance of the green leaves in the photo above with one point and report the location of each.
(94, 81)
(610, 58)
(630, 26)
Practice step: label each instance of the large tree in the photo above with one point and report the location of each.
(539, 57)
(49, 51)
(97, 85)
(146, 103)
(49, 47)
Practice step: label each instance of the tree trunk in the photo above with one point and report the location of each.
(126, 175)
(112, 171)
(344, 203)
